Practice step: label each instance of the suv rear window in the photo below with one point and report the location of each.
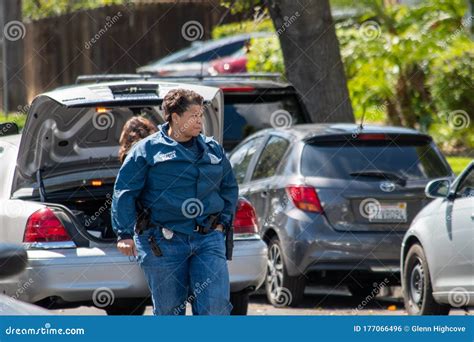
(411, 161)
(249, 113)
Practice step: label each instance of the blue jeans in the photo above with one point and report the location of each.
(192, 269)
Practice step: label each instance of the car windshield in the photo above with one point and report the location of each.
(408, 161)
(246, 114)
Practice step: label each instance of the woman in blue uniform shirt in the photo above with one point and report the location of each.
(185, 179)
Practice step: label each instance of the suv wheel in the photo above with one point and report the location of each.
(281, 289)
(417, 290)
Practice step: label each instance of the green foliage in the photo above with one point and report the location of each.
(410, 66)
(414, 65)
(458, 164)
(37, 9)
(265, 56)
(261, 25)
(452, 84)
(242, 6)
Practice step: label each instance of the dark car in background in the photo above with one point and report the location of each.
(252, 104)
(334, 201)
(251, 101)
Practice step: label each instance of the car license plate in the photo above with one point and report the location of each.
(393, 212)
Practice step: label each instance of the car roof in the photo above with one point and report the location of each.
(304, 131)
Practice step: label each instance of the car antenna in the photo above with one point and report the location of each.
(361, 124)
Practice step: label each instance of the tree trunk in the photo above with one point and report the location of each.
(12, 85)
(312, 57)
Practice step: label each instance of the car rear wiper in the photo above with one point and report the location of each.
(381, 174)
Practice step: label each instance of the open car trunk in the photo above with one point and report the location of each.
(87, 210)
(68, 154)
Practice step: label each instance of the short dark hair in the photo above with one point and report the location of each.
(179, 100)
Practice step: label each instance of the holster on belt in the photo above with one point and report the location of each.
(143, 218)
(211, 224)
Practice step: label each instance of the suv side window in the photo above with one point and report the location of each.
(240, 159)
(466, 187)
(270, 158)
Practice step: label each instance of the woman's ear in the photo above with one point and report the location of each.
(174, 117)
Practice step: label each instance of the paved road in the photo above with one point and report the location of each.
(317, 301)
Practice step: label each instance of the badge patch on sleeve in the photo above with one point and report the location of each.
(214, 159)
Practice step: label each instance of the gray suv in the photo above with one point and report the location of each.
(334, 201)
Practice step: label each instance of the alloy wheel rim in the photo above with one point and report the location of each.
(275, 272)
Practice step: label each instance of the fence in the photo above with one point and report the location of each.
(109, 40)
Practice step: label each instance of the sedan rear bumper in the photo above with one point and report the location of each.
(73, 275)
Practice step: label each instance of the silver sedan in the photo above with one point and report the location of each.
(437, 258)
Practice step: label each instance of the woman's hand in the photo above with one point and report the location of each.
(127, 247)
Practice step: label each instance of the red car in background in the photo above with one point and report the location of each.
(229, 65)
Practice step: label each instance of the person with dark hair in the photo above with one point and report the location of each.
(134, 130)
(185, 182)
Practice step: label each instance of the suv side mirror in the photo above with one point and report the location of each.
(438, 188)
(13, 260)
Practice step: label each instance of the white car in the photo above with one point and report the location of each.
(56, 183)
(437, 258)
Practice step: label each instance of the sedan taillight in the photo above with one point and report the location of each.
(44, 226)
(245, 221)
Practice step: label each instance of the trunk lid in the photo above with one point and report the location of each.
(77, 129)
